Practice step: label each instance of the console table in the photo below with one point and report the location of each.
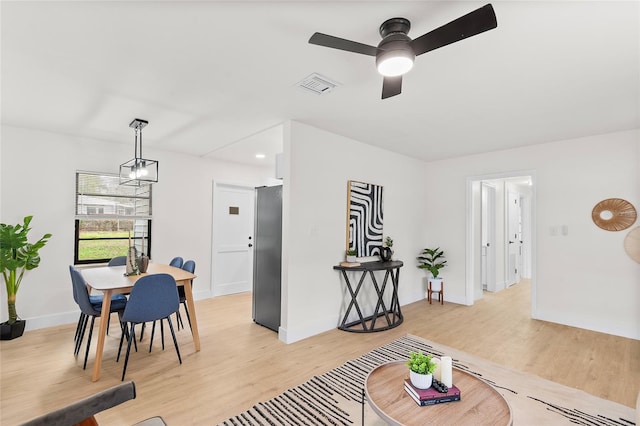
(480, 403)
(392, 314)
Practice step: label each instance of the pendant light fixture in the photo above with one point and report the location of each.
(138, 171)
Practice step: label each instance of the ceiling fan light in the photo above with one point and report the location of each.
(394, 57)
(394, 66)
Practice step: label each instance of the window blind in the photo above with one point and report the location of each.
(100, 196)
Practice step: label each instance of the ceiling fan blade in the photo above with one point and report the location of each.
(473, 23)
(342, 44)
(391, 86)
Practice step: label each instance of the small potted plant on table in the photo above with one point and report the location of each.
(351, 255)
(421, 368)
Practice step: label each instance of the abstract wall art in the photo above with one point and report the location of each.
(365, 213)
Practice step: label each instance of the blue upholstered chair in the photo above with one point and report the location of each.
(153, 297)
(89, 309)
(118, 261)
(177, 262)
(97, 300)
(190, 266)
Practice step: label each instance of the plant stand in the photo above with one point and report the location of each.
(12, 331)
(436, 285)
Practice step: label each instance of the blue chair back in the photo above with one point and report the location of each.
(118, 261)
(189, 266)
(177, 262)
(80, 292)
(153, 297)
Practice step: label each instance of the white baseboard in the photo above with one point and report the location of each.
(231, 288)
(293, 334)
(600, 326)
(64, 318)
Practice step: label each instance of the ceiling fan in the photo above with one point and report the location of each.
(397, 51)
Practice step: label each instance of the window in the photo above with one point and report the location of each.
(108, 216)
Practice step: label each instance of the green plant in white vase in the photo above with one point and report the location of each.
(351, 255)
(421, 368)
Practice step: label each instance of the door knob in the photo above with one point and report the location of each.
(250, 245)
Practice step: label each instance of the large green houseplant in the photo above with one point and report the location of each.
(17, 256)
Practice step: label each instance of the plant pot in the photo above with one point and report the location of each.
(12, 331)
(436, 283)
(385, 254)
(143, 263)
(420, 381)
(351, 259)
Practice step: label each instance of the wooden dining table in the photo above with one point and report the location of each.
(112, 280)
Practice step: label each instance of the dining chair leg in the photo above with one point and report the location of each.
(135, 345)
(125, 332)
(175, 341)
(144, 324)
(83, 327)
(179, 319)
(86, 352)
(132, 336)
(80, 320)
(153, 332)
(186, 311)
(162, 333)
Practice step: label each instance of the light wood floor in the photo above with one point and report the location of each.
(242, 363)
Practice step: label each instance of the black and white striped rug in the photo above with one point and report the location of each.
(335, 397)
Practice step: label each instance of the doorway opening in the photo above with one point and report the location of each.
(500, 233)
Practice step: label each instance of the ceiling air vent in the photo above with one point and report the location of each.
(317, 84)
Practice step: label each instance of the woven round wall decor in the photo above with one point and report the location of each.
(614, 214)
(632, 244)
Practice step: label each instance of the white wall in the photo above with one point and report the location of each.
(38, 178)
(319, 164)
(584, 279)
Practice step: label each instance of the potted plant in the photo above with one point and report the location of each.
(432, 260)
(351, 255)
(421, 368)
(386, 253)
(17, 256)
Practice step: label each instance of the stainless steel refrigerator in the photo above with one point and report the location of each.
(267, 257)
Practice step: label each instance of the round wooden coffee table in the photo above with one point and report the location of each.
(480, 403)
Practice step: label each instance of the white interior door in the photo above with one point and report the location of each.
(525, 206)
(488, 220)
(514, 237)
(233, 217)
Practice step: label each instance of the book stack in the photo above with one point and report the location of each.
(350, 264)
(431, 396)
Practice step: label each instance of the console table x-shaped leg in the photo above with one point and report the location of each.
(392, 314)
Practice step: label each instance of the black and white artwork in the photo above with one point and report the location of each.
(365, 218)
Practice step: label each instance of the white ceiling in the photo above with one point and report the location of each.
(208, 75)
